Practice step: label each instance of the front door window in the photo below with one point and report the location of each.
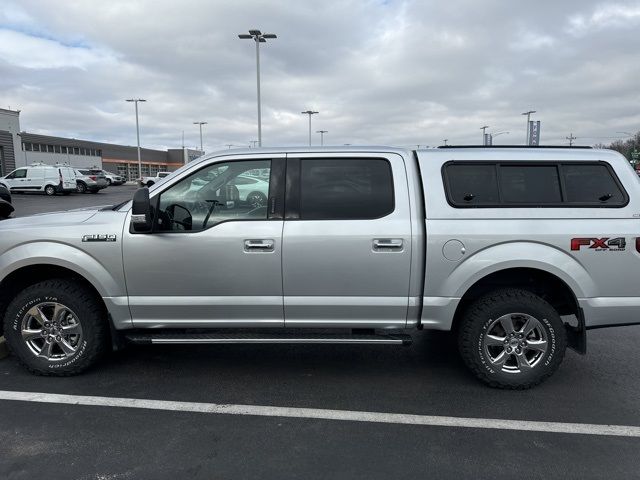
(215, 194)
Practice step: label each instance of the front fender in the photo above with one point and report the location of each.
(520, 255)
(62, 255)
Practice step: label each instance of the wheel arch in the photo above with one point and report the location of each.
(25, 265)
(542, 283)
(27, 275)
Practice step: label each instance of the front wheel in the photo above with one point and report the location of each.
(56, 327)
(512, 339)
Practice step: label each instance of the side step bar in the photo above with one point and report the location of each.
(214, 338)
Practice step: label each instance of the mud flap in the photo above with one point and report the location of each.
(577, 335)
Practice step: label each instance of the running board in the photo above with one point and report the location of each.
(213, 338)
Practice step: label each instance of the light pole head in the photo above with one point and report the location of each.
(528, 113)
(309, 112)
(257, 35)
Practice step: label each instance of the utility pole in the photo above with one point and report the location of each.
(322, 132)
(445, 140)
(229, 145)
(252, 143)
(571, 138)
(136, 100)
(309, 112)
(259, 38)
(484, 138)
(528, 114)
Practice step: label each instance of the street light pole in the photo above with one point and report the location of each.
(445, 140)
(200, 124)
(322, 132)
(136, 100)
(309, 112)
(528, 114)
(484, 138)
(571, 138)
(259, 38)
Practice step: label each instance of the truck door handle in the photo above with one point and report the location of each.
(263, 245)
(388, 244)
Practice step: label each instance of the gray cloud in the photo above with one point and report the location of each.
(383, 72)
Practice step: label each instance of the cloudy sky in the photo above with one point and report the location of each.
(378, 71)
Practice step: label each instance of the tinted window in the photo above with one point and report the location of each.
(533, 184)
(473, 184)
(345, 189)
(591, 184)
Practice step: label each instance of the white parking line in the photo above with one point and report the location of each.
(324, 414)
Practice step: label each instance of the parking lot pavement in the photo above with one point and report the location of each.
(30, 203)
(93, 441)
(425, 379)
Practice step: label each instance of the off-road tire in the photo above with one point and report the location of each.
(479, 316)
(91, 315)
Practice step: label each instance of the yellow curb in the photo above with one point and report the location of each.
(4, 351)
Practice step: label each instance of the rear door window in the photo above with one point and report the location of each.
(341, 189)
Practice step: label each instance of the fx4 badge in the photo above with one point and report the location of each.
(99, 238)
(599, 244)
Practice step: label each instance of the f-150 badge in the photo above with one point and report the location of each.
(99, 238)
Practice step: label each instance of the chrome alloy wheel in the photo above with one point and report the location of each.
(51, 331)
(515, 343)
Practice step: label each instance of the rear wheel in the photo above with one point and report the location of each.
(56, 327)
(512, 339)
(50, 190)
(81, 187)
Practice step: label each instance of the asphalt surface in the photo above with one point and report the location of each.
(428, 378)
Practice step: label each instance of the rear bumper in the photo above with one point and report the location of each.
(600, 312)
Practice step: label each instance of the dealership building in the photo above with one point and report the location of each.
(18, 149)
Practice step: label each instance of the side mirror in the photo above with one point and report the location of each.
(141, 220)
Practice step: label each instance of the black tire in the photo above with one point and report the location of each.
(483, 353)
(91, 344)
(50, 190)
(257, 199)
(81, 187)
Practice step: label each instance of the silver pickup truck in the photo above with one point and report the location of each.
(518, 251)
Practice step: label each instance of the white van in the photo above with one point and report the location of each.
(40, 177)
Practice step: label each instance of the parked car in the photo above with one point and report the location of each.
(149, 181)
(518, 251)
(6, 208)
(39, 177)
(113, 178)
(89, 181)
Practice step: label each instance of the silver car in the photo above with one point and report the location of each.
(91, 181)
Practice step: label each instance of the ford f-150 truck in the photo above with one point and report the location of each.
(518, 251)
